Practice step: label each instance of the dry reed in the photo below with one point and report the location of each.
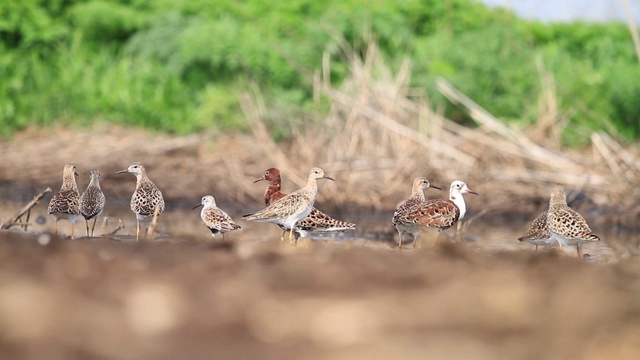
(377, 137)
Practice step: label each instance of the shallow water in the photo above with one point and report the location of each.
(180, 225)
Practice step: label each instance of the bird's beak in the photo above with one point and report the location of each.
(472, 192)
(122, 171)
(435, 187)
(329, 178)
(259, 179)
(76, 174)
(197, 206)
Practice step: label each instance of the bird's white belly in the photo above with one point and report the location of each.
(292, 219)
(65, 216)
(546, 241)
(564, 241)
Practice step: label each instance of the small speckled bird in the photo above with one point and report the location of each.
(214, 218)
(65, 204)
(146, 197)
(565, 225)
(405, 213)
(538, 233)
(92, 201)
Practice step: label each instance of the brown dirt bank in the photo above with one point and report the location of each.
(183, 299)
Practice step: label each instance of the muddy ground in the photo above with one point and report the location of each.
(476, 294)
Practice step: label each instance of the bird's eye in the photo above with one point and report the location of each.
(266, 172)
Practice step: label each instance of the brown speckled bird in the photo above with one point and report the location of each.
(538, 233)
(404, 214)
(65, 204)
(214, 218)
(317, 221)
(437, 213)
(92, 201)
(289, 210)
(565, 225)
(146, 197)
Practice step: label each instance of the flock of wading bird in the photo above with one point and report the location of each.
(294, 213)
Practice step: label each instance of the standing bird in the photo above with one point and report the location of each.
(65, 204)
(317, 221)
(406, 212)
(290, 209)
(214, 218)
(538, 233)
(92, 201)
(438, 213)
(272, 193)
(146, 198)
(566, 226)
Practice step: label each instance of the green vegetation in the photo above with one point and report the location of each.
(180, 66)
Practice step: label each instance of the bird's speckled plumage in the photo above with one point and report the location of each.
(405, 215)
(316, 221)
(565, 225)
(66, 203)
(538, 232)
(92, 200)
(290, 209)
(146, 197)
(436, 213)
(215, 218)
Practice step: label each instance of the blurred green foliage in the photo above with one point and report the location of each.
(180, 66)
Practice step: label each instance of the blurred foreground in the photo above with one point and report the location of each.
(177, 298)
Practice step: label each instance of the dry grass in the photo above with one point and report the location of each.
(378, 136)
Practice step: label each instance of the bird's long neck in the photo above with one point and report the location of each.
(458, 200)
(69, 182)
(273, 191)
(141, 178)
(418, 193)
(312, 187)
(558, 199)
(95, 182)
